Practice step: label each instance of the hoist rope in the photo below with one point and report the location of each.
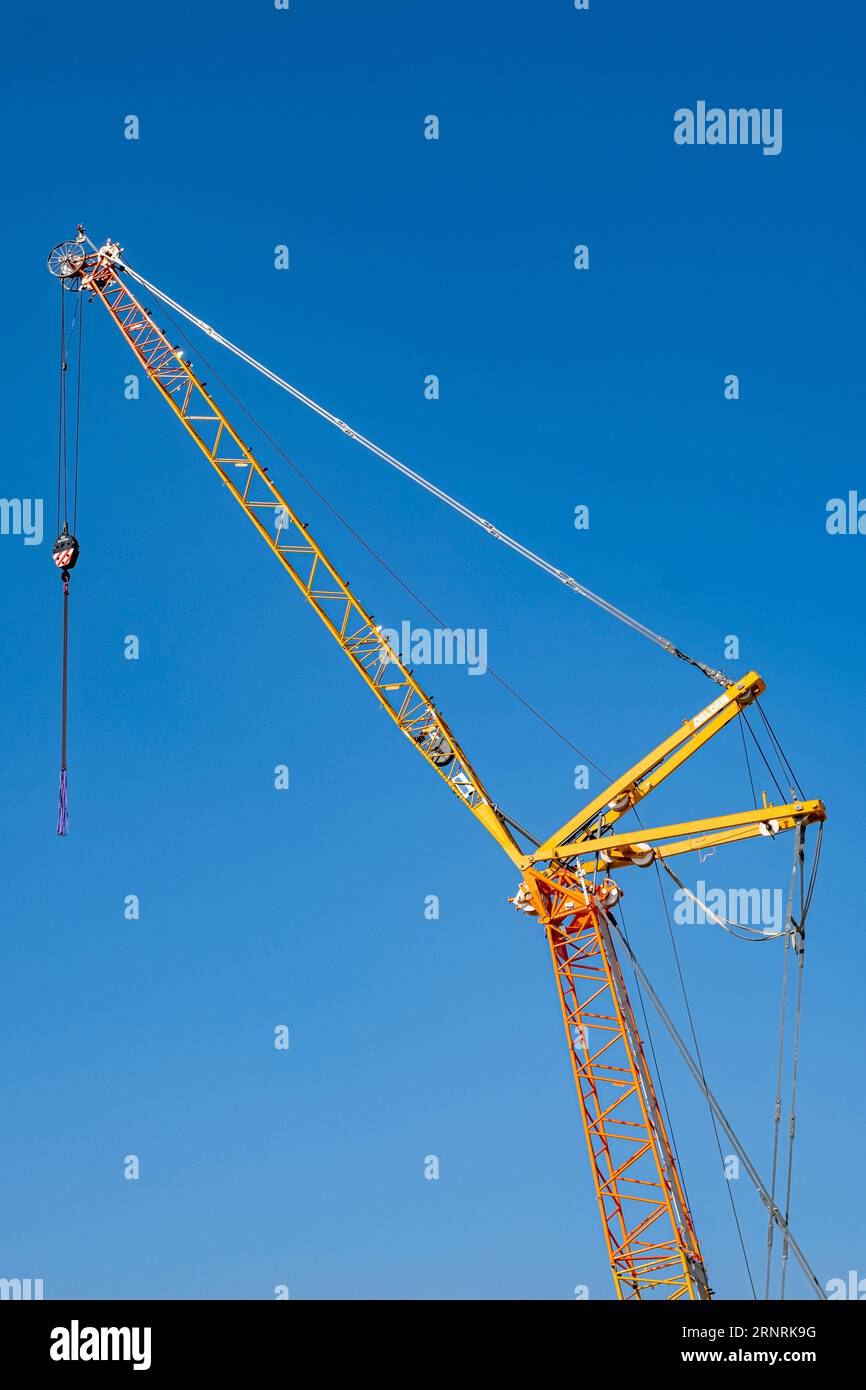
(61, 409)
(66, 545)
(780, 752)
(425, 483)
(796, 942)
(63, 413)
(742, 726)
(794, 938)
(783, 1016)
(764, 758)
(77, 413)
(63, 795)
(700, 1065)
(800, 944)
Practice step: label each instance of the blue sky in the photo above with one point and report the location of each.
(306, 908)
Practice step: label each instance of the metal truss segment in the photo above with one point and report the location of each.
(325, 590)
(652, 1245)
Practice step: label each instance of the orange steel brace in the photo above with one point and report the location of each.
(651, 1240)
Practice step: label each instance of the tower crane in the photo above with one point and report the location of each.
(648, 1229)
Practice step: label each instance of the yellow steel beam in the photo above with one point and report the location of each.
(629, 789)
(618, 851)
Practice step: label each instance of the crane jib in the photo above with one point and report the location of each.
(652, 1246)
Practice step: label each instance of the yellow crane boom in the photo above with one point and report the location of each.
(648, 1229)
(290, 540)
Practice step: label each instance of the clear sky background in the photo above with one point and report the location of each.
(260, 907)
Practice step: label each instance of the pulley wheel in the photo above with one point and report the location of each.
(66, 262)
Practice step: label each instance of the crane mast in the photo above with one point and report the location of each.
(648, 1229)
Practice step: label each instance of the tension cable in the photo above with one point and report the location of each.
(697, 1072)
(417, 478)
(65, 552)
